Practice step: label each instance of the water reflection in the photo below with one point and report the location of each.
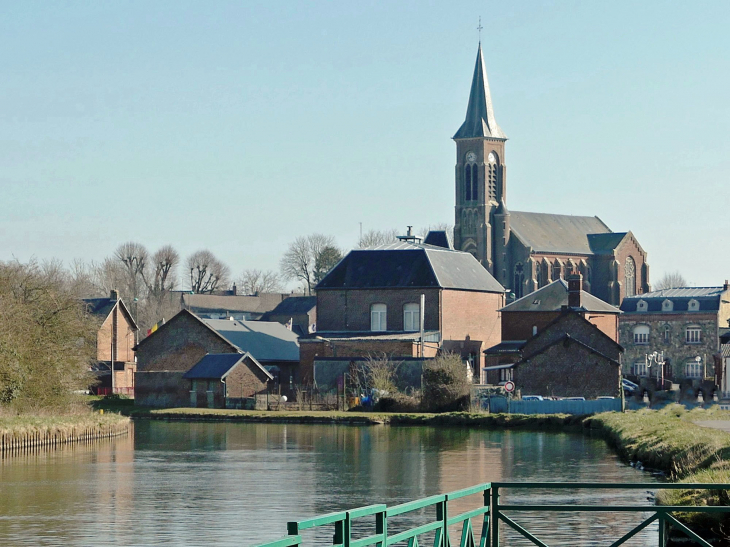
(238, 484)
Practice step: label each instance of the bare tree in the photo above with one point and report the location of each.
(300, 260)
(207, 273)
(375, 238)
(162, 280)
(670, 280)
(253, 281)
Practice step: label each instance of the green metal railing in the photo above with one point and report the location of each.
(490, 513)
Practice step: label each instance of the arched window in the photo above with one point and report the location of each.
(667, 305)
(411, 317)
(630, 276)
(667, 334)
(693, 334)
(641, 334)
(693, 305)
(378, 317)
(519, 280)
(474, 183)
(493, 175)
(467, 182)
(538, 276)
(557, 270)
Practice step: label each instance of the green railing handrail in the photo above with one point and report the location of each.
(491, 512)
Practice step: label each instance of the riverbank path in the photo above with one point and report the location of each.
(722, 425)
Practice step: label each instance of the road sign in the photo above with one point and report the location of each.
(509, 387)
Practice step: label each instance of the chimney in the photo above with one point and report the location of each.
(114, 295)
(575, 283)
(726, 286)
(234, 290)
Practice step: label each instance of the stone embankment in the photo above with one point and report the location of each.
(22, 432)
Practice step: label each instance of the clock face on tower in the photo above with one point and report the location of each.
(492, 158)
(471, 156)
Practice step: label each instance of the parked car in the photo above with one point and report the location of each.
(605, 397)
(575, 398)
(629, 386)
(532, 397)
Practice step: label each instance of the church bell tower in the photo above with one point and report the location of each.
(480, 172)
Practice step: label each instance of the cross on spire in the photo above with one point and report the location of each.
(479, 28)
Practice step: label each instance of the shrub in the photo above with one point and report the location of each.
(445, 384)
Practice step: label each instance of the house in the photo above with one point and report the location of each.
(115, 342)
(569, 357)
(227, 380)
(178, 345)
(526, 317)
(405, 299)
(524, 250)
(299, 312)
(682, 328)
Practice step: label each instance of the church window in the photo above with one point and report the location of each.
(519, 280)
(641, 334)
(474, 183)
(493, 175)
(378, 317)
(630, 277)
(467, 182)
(557, 270)
(411, 317)
(538, 276)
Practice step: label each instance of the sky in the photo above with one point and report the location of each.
(238, 126)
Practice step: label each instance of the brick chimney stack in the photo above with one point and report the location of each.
(114, 294)
(575, 284)
(726, 286)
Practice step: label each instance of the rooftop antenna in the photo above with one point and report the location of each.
(479, 28)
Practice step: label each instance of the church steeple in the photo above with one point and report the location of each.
(480, 120)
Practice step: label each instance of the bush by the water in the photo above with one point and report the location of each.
(445, 384)
(46, 339)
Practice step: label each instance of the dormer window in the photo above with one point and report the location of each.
(693, 305)
(642, 306)
(667, 305)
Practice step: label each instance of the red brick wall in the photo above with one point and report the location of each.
(349, 310)
(608, 323)
(517, 325)
(125, 339)
(246, 380)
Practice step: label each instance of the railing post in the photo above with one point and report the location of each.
(339, 537)
(442, 514)
(487, 521)
(494, 518)
(381, 527)
(662, 530)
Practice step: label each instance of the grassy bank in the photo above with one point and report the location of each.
(27, 431)
(670, 440)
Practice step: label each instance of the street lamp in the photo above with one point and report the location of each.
(656, 358)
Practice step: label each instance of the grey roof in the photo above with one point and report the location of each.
(266, 341)
(428, 336)
(602, 244)
(708, 298)
(102, 307)
(554, 296)
(438, 238)
(201, 303)
(506, 347)
(556, 233)
(218, 365)
(406, 264)
(725, 350)
(295, 305)
(480, 120)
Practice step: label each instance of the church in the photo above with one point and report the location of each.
(526, 251)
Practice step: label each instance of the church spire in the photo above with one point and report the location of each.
(480, 121)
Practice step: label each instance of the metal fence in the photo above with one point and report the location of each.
(563, 406)
(489, 514)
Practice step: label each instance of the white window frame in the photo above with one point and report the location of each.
(693, 334)
(378, 317)
(639, 368)
(411, 317)
(641, 338)
(693, 369)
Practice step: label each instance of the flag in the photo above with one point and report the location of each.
(155, 327)
(290, 323)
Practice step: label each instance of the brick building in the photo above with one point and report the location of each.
(528, 316)
(115, 342)
(227, 380)
(526, 251)
(178, 345)
(300, 311)
(682, 324)
(376, 301)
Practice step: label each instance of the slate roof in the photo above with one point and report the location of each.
(294, 305)
(602, 244)
(406, 264)
(506, 347)
(438, 238)
(428, 336)
(102, 307)
(218, 365)
(480, 120)
(556, 233)
(708, 298)
(554, 296)
(202, 303)
(266, 341)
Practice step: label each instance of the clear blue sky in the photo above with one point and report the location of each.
(237, 126)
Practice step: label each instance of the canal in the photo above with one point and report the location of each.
(227, 484)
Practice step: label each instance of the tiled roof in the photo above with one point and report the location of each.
(554, 296)
(410, 265)
(556, 233)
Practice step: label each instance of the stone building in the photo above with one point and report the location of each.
(171, 351)
(375, 301)
(526, 251)
(115, 342)
(684, 325)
